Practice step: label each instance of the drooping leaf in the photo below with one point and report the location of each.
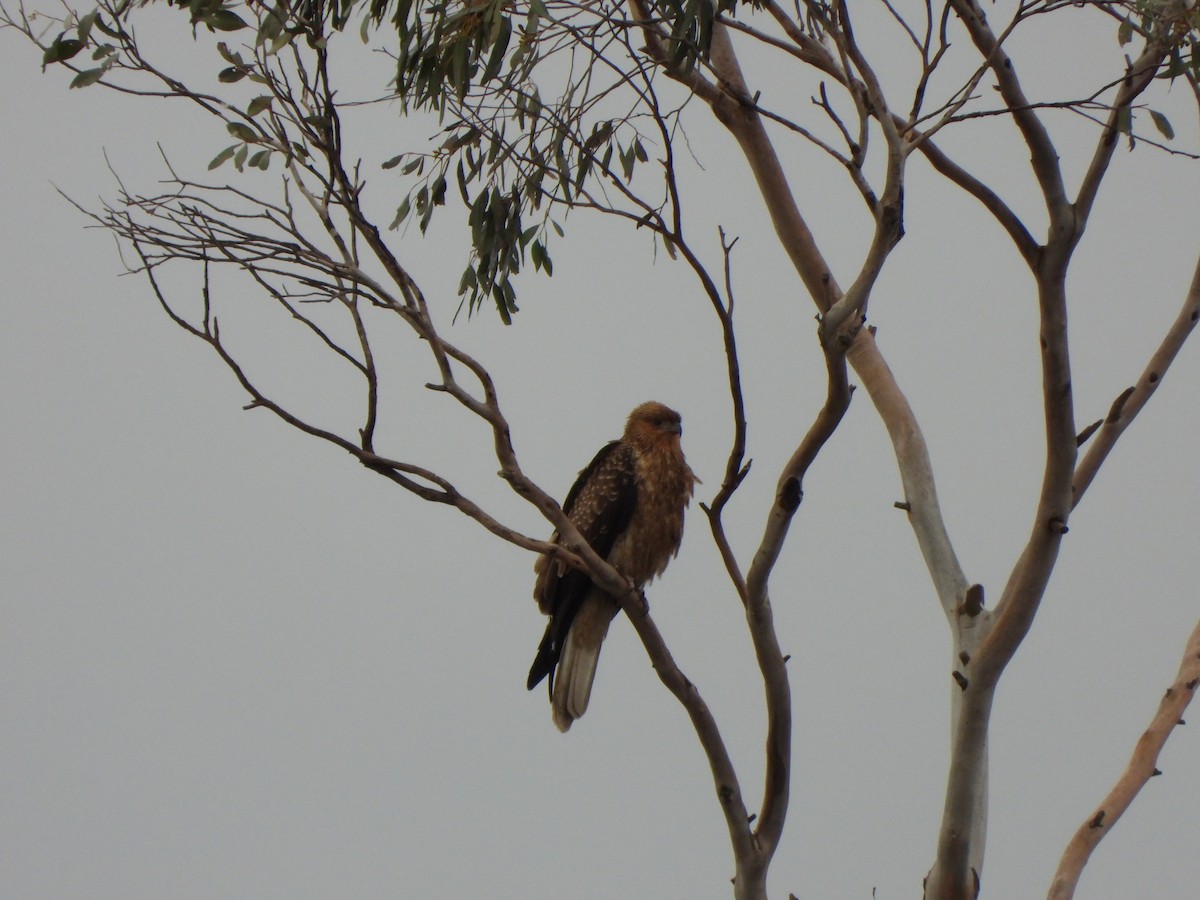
(222, 157)
(84, 28)
(469, 281)
(601, 133)
(401, 213)
(1162, 124)
(270, 27)
(106, 29)
(230, 56)
(499, 48)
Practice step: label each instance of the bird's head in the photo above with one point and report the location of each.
(653, 422)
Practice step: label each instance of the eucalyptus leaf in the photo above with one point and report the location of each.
(88, 77)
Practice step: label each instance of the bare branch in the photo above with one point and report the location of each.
(735, 470)
(1143, 765)
(916, 472)
(789, 494)
(1140, 75)
(1044, 157)
(1131, 402)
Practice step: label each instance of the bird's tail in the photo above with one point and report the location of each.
(577, 665)
(545, 660)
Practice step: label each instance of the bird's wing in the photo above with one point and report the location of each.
(600, 504)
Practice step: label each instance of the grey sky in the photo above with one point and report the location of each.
(235, 664)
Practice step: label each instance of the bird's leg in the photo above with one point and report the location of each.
(642, 607)
(644, 604)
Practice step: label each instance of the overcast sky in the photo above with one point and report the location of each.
(236, 664)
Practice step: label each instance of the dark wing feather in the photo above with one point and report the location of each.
(601, 504)
(604, 497)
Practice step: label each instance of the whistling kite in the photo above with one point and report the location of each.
(628, 505)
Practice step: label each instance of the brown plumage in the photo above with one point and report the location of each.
(628, 504)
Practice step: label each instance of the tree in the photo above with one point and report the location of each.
(557, 108)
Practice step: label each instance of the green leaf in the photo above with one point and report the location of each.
(222, 157)
(230, 56)
(111, 32)
(87, 76)
(269, 28)
(239, 158)
(1125, 33)
(460, 76)
(468, 282)
(84, 28)
(401, 213)
(627, 162)
(230, 75)
(258, 104)
(261, 160)
(499, 48)
(242, 132)
(62, 49)
(599, 135)
(536, 9)
(224, 20)
(1162, 124)
(461, 174)
(607, 158)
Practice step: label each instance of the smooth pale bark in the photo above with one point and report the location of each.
(1142, 767)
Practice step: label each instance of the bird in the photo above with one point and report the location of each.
(628, 504)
